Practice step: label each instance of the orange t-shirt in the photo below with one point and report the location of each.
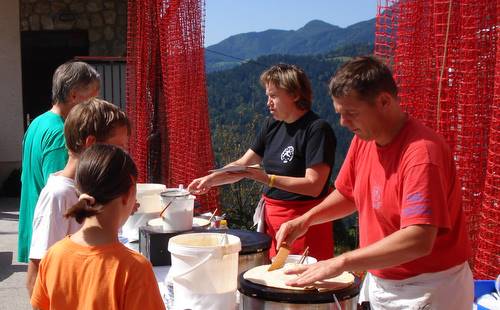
(111, 276)
(411, 181)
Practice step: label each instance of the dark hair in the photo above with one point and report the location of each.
(94, 117)
(71, 75)
(292, 79)
(104, 172)
(366, 75)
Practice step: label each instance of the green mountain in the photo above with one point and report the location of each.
(316, 37)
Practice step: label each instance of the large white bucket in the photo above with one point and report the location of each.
(148, 196)
(204, 270)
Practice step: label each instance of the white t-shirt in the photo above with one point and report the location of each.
(49, 223)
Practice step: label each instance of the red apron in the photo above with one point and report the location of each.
(319, 238)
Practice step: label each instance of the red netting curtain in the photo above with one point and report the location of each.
(446, 58)
(166, 93)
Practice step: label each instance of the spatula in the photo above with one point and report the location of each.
(280, 258)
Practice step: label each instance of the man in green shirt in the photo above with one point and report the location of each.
(44, 150)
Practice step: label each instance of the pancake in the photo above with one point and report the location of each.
(277, 279)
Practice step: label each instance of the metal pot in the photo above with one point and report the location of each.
(177, 205)
(259, 297)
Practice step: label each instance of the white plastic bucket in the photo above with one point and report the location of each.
(179, 214)
(204, 270)
(148, 196)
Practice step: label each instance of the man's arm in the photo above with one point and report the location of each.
(31, 275)
(405, 245)
(335, 206)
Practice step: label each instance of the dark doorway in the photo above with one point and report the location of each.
(41, 53)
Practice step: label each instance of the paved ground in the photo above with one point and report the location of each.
(13, 294)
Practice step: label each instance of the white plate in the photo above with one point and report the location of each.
(197, 222)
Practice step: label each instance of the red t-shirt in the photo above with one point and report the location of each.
(410, 181)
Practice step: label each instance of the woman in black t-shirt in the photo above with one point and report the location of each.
(297, 150)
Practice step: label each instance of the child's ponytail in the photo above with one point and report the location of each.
(83, 208)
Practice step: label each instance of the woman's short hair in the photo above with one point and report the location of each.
(293, 80)
(366, 75)
(104, 172)
(93, 117)
(72, 75)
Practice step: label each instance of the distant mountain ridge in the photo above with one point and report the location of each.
(316, 37)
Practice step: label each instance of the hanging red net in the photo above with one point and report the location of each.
(446, 59)
(166, 93)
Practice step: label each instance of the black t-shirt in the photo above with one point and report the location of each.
(289, 149)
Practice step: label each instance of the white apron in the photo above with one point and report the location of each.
(449, 289)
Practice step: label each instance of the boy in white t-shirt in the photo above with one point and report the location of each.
(92, 121)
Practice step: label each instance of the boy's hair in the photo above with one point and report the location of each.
(94, 117)
(366, 75)
(293, 80)
(104, 172)
(71, 75)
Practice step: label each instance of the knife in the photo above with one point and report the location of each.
(280, 258)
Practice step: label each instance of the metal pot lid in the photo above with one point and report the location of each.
(267, 293)
(251, 241)
(174, 192)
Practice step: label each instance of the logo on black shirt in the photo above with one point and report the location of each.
(287, 154)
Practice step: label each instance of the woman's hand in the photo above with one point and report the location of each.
(202, 185)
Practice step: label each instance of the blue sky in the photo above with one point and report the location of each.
(228, 17)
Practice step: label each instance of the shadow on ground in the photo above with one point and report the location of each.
(9, 208)
(7, 269)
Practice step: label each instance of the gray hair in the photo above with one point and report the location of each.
(71, 75)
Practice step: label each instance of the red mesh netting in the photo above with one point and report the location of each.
(166, 93)
(446, 59)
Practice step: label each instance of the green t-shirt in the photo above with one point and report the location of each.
(44, 152)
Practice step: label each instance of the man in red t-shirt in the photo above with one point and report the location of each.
(401, 178)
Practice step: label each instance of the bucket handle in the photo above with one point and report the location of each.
(218, 252)
(203, 261)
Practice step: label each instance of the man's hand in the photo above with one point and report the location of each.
(291, 230)
(402, 246)
(308, 274)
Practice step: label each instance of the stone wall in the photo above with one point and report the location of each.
(105, 21)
